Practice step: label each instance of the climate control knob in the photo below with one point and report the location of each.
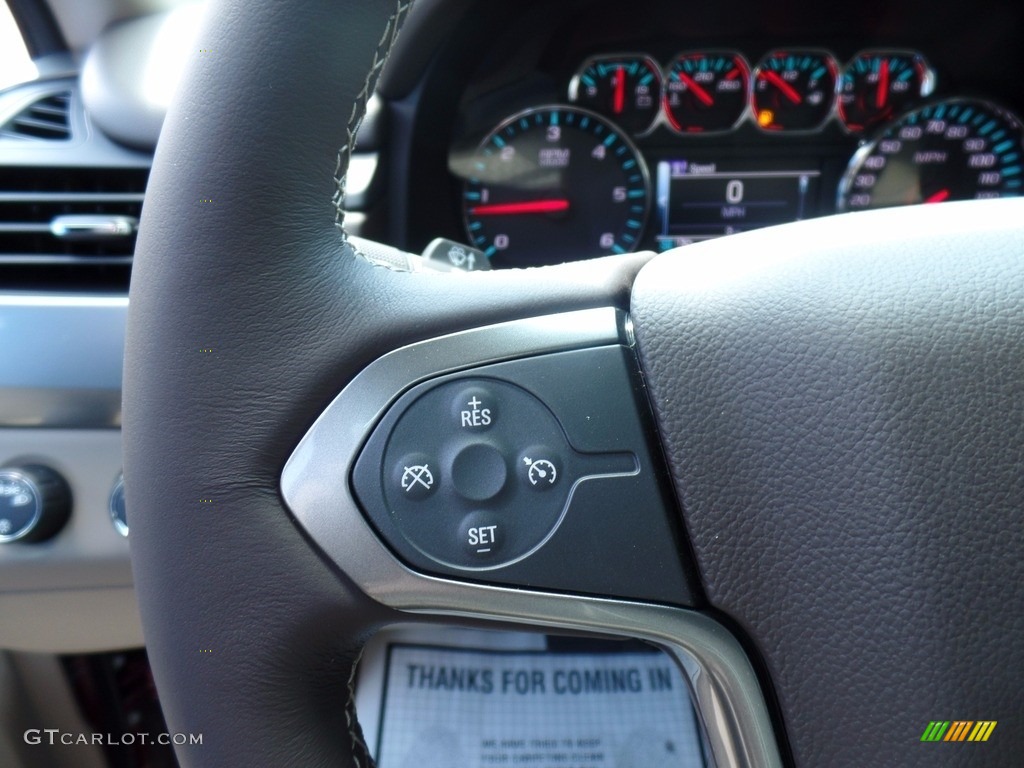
(35, 502)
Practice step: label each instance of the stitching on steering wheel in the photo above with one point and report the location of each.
(380, 58)
(360, 752)
(359, 748)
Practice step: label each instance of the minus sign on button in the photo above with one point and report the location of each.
(481, 551)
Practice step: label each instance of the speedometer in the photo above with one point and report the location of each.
(952, 150)
(553, 184)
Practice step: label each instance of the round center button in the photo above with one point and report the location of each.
(479, 472)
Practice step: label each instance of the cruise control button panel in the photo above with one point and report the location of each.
(458, 422)
(534, 472)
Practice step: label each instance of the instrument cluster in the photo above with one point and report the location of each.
(639, 154)
(788, 90)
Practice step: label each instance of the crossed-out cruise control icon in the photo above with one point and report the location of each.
(417, 476)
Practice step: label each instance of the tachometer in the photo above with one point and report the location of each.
(952, 150)
(553, 184)
(794, 90)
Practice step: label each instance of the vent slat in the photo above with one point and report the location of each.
(32, 121)
(37, 205)
(23, 226)
(41, 109)
(46, 119)
(70, 197)
(31, 259)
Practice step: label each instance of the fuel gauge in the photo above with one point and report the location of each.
(794, 90)
(624, 88)
(879, 85)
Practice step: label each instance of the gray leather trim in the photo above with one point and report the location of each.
(841, 403)
(62, 360)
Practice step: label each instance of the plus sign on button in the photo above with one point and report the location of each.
(475, 409)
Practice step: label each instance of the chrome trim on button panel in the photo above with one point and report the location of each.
(21, 477)
(315, 488)
(63, 358)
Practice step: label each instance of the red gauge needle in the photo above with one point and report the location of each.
(939, 197)
(787, 90)
(883, 85)
(512, 209)
(699, 92)
(668, 113)
(620, 91)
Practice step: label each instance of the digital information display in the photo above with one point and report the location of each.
(445, 707)
(698, 200)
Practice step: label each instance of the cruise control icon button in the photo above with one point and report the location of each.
(538, 470)
(415, 476)
(479, 472)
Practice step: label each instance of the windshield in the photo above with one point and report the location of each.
(15, 64)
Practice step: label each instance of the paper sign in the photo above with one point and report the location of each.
(458, 708)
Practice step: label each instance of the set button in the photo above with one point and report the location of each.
(482, 535)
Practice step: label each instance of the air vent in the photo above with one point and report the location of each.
(68, 227)
(47, 119)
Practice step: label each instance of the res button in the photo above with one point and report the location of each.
(475, 409)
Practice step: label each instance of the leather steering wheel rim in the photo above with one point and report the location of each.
(252, 635)
(249, 312)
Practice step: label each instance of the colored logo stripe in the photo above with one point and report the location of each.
(935, 731)
(958, 730)
(982, 730)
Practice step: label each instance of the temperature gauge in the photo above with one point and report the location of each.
(794, 90)
(706, 91)
(625, 88)
(879, 85)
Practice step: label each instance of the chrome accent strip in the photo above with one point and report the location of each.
(121, 526)
(93, 227)
(315, 489)
(63, 358)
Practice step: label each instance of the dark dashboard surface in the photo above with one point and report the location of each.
(501, 61)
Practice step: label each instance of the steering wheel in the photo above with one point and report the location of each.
(839, 403)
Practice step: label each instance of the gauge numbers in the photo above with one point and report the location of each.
(625, 88)
(952, 150)
(794, 90)
(879, 85)
(554, 184)
(706, 91)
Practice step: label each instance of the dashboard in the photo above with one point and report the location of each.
(563, 133)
